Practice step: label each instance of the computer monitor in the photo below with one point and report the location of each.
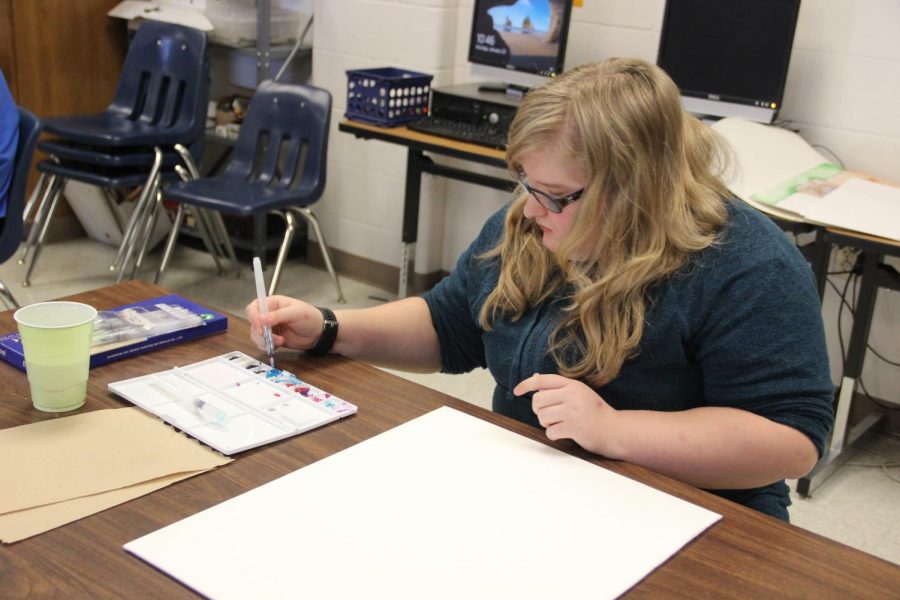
(520, 44)
(729, 58)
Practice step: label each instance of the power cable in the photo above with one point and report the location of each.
(884, 466)
(842, 294)
(831, 152)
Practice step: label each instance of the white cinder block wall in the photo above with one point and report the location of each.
(843, 92)
(363, 207)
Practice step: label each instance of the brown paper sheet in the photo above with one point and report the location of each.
(58, 471)
(21, 524)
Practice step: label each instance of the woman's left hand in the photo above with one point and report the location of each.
(713, 447)
(569, 409)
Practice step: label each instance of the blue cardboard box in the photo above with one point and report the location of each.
(136, 328)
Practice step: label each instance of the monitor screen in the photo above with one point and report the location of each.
(729, 58)
(527, 36)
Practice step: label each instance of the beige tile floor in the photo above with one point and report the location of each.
(858, 506)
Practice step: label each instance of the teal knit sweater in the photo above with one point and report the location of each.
(739, 325)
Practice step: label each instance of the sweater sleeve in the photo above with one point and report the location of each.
(455, 302)
(9, 137)
(760, 341)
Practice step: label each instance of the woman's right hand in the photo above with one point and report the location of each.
(295, 324)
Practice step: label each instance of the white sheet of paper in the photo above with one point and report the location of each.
(858, 205)
(443, 506)
(766, 155)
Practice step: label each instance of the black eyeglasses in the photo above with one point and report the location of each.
(554, 204)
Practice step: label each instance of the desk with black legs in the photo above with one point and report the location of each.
(851, 427)
(419, 145)
(875, 274)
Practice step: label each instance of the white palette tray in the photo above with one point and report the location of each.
(233, 402)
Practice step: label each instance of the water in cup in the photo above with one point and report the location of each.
(56, 340)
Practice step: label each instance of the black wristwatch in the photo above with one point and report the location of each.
(329, 332)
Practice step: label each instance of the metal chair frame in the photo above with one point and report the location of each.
(278, 167)
(160, 101)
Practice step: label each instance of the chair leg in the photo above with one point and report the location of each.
(152, 219)
(39, 242)
(54, 185)
(310, 217)
(206, 224)
(188, 161)
(290, 224)
(170, 243)
(133, 236)
(132, 227)
(7, 297)
(218, 224)
(39, 188)
(205, 228)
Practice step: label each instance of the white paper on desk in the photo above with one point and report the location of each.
(766, 155)
(857, 204)
(444, 506)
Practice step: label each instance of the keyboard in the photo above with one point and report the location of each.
(483, 135)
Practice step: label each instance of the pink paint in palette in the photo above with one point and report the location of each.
(233, 402)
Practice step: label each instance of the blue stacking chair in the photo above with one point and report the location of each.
(278, 166)
(160, 102)
(13, 226)
(165, 75)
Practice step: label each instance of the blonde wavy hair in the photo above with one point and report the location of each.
(654, 194)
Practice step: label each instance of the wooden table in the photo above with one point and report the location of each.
(745, 555)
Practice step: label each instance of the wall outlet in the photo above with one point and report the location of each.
(845, 258)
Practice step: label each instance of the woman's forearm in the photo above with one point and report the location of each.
(712, 447)
(398, 335)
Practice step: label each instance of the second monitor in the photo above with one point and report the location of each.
(729, 59)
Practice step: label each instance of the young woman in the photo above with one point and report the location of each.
(622, 300)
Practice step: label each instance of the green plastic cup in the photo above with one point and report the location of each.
(56, 340)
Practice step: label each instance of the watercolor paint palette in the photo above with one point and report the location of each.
(233, 402)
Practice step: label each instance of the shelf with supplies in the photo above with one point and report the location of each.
(275, 52)
(260, 37)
